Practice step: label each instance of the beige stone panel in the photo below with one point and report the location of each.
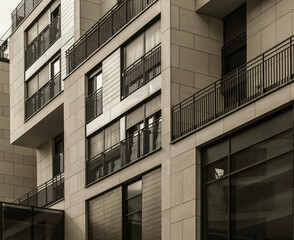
(189, 184)
(77, 166)
(284, 27)
(186, 92)
(175, 17)
(183, 146)
(216, 29)
(176, 188)
(165, 225)
(177, 231)
(253, 46)
(195, 61)
(175, 93)
(194, 23)
(166, 54)
(129, 172)
(210, 132)
(12, 157)
(188, 4)
(12, 180)
(202, 81)
(5, 146)
(175, 55)
(215, 66)
(150, 162)
(77, 136)
(7, 191)
(20, 191)
(253, 9)
(29, 182)
(284, 7)
(208, 45)
(189, 229)
(273, 101)
(183, 211)
(182, 77)
(183, 161)
(266, 4)
(239, 117)
(268, 37)
(110, 181)
(260, 22)
(6, 168)
(182, 38)
(23, 171)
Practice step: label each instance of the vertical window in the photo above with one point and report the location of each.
(55, 13)
(133, 211)
(55, 67)
(58, 158)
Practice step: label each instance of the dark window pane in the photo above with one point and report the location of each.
(215, 217)
(262, 151)
(135, 204)
(215, 171)
(134, 230)
(134, 189)
(215, 152)
(261, 201)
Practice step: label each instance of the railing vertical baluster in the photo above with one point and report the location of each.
(214, 90)
(194, 112)
(238, 87)
(291, 60)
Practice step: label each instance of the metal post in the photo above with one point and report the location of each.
(263, 74)
(194, 112)
(238, 86)
(180, 120)
(291, 60)
(214, 86)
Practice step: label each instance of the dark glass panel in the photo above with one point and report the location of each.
(135, 204)
(134, 189)
(48, 225)
(17, 222)
(262, 151)
(215, 152)
(265, 130)
(215, 216)
(134, 229)
(215, 171)
(261, 201)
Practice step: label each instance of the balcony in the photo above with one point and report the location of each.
(24, 8)
(94, 105)
(43, 96)
(45, 195)
(234, 54)
(141, 72)
(42, 43)
(22, 222)
(245, 84)
(140, 144)
(109, 25)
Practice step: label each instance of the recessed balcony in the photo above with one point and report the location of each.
(254, 79)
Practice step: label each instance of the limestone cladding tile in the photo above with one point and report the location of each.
(183, 211)
(187, 4)
(175, 20)
(176, 188)
(269, 37)
(182, 38)
(284, 27)
(177, 231)
(189, 183)
(183, 161)
(189, 228)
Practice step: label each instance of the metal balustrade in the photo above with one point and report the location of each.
(141, 72)
(110, 24)
(44, 195)
(127, 151)
(43, 96)
(254, 79)
(23, 9)
(42, 42)
(234, 54)
(58, 164)
(94, 105)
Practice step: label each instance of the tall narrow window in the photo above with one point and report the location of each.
(133, 211)
(58, 158)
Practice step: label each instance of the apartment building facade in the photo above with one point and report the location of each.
(157, 119)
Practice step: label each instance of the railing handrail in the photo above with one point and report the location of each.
(45, 85)
(245, 65)
(95, 25)
(94, 93)
(42, 32)
(139, 60)
(120, 143)
(58, 155)
(43, 186)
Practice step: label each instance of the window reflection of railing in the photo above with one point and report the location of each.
(46, 194)
(43, 42)
(43, 96)
(259, 76)
(94, 105)
(111, 23)
(129, 150)
(141, 72)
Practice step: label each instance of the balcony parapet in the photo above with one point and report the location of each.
(94, 105)
(258, 77)
(45, 195)
(136, 146)
(109, 25)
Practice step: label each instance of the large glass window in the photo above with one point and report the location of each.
(58, 158)
(133, 210)
(247, 184)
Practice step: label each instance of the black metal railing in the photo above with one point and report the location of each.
(94, 105)
(24, 8)
(42, 42)
(141, 71)
(43, 96)
(266, 72)
(58, 164)
(111, 23)
(129, 150)
(234, 54)
(44, 195)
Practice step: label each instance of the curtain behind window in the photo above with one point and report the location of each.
(43, 76)
(152, 36)
(32, 33)
(112, 134)
(134, 50)
(96, 144)
(32, 86)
